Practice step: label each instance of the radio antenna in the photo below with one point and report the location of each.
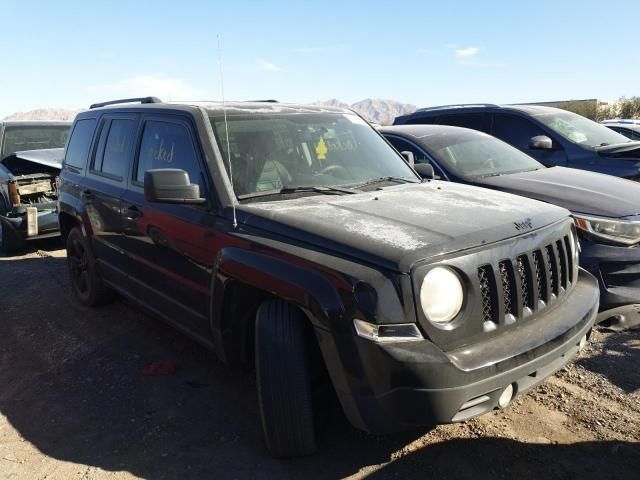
(226, 129)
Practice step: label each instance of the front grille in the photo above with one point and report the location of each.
(514, 289)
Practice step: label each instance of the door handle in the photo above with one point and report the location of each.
(132, 212)
(87, 195)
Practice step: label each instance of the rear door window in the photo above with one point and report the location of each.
(475, 121)
(167, 145)
(80, 142)
(423, 120)
(114, 147)
(515, 130)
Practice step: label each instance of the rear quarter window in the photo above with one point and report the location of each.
(79, 143)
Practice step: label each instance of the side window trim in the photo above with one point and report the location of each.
(105, 123)
(443, 175)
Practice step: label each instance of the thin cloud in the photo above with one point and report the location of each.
(157, 84)
(268, 66)
(466, 53)
(468, 56)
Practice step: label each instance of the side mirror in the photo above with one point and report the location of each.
(170, 185)
(540, 142)
(425, 170)
(408, 156)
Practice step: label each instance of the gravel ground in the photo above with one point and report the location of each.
(74, 404)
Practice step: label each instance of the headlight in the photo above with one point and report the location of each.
(441, 295)
(622, 232)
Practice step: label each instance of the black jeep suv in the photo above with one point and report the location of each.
(295, 237)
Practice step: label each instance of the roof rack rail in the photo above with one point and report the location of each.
(271, 100)
(461, 105)
(126, 100)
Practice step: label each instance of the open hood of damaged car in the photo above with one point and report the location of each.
(48, 157)
(398, 226)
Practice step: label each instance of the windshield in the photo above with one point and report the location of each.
(273, 152)
(473, 154)
(581, 130)
(18, 139)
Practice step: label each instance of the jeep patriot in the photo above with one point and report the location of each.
(294, 238)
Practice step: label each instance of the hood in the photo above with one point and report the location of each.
(48, 157)
(580, 191)
(401, 225)
(629, 150)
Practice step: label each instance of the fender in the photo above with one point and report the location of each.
(310, 290)
(73, 207)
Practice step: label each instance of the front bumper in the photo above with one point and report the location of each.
(617, 270)
(47, 222)
(392, 387)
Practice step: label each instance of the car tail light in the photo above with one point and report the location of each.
(14, 196)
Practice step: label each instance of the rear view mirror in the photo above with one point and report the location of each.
(425, 170)
(170, 185)
(540, 142)
(408, 156)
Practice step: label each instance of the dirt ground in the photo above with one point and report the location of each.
(74, 404)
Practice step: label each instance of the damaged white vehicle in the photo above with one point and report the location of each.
(31, 157)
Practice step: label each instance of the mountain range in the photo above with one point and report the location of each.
(373, 109)
(376, 110)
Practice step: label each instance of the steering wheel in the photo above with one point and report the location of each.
(332, 169)
(488, 163)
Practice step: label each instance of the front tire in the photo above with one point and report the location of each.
(9, 241)
(86, 284)
(284, 380)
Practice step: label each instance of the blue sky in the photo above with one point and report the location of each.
(71, 53)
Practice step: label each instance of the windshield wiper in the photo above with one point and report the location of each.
(299, 189)
(317, 189)
(389, 178)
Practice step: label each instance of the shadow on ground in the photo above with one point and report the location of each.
(45, 244)
(72, 385)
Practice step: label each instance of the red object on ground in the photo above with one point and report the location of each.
(160, 368)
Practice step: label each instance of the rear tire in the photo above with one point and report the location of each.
(284, 380)
(86, 284)
(9, 242)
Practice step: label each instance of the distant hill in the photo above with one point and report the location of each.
(44, 114)
(375, 110)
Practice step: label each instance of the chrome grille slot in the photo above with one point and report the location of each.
(540, 276)
(509, 294)
(562, 260)
(552, 269)
(526, 282)
(488, 296)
